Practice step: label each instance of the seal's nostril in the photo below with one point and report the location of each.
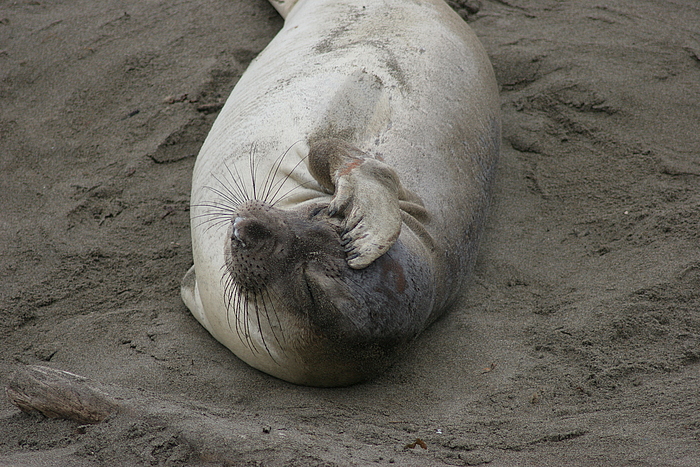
(236, 237)
(236, 234)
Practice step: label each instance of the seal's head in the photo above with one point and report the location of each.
(303, 313)
(267, 242)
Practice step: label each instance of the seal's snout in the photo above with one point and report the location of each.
(256, 225)
(257, 238)
(249, 231)
(266, 243)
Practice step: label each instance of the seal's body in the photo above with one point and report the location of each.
(338, 199)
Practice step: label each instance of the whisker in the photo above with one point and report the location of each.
(213, 224)
(274, 170)
(240, 317)
(214, 219)
(236, 307)
(229, 295)
(269, 294)
(214, 205)
(251, 167)
(246, 322)
(218, 212)
(237, 180)
(245, 300)
(271, 174)
(228, 195)
(257, 319)
(267, 315)
(212, 216)
(281, 183)
(290, 191)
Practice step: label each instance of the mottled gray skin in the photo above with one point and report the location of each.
(373, 130)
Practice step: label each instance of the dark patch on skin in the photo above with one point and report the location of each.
(328, 43)
(395, 70)
(392, 269)
(389, 58)
(333, 42)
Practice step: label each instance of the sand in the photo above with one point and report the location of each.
(576, 343)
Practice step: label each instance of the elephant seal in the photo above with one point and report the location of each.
(338, 199)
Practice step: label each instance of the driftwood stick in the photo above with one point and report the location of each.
(58, 394)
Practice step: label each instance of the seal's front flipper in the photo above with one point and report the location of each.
(368, 193)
